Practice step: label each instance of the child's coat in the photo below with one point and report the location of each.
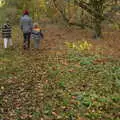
(36, 36)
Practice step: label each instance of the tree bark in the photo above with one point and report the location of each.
(97, 29)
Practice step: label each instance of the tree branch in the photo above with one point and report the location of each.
(90, 10)
(61, 12)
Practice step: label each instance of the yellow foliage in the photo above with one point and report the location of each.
(80, 46)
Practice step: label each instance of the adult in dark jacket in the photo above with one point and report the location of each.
(6, 34)
(26, 27)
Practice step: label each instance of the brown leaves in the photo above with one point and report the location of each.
(101, 61)
(25, 116)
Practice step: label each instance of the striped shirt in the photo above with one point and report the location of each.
(36, 34)
(6, 31)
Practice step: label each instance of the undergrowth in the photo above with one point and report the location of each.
(73, 86)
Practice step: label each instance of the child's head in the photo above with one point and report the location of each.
(7, 20)
(35, 25)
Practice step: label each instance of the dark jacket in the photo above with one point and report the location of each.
(6, 30)
(26, 24)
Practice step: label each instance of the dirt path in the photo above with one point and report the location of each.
(56, 36)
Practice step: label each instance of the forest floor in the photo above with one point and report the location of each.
(59, 83)
(55, 38)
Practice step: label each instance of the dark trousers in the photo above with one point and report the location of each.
(26, 40)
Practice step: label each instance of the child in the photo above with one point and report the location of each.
(6, 34)
(36, 35)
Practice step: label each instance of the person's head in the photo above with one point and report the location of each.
(36, 25)
(26, 12)
(7, 20)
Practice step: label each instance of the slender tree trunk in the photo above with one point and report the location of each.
(82, 20)
(97, 28)
(98, 6)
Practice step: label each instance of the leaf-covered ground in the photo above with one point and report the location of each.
(54, 83)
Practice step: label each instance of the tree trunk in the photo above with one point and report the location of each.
(97, 28)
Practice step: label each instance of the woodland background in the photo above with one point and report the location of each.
(91, 14)
(75, 75)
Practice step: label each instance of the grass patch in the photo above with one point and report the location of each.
(85, 85)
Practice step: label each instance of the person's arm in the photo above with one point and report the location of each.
(3, 28)
(21, 24)
(31, 24)
(41, 34)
